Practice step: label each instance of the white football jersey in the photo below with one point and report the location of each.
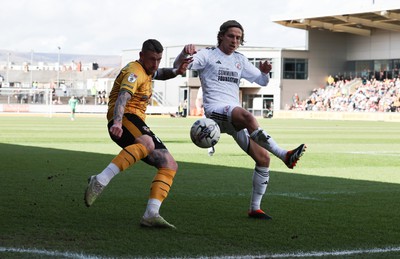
(220, 76)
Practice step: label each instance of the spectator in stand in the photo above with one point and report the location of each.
(104, 97)
(100, 99)
(368, 96)
(396, 105)
(93, 91)
(330, 80)
(295, 100)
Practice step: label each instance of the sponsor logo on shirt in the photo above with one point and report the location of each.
(132, 78)
(226, 109)
(228, 76)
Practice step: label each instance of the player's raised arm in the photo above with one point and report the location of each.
(188, 50)
(168, 73)
(265, 67)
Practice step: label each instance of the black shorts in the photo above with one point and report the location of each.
(134, 127)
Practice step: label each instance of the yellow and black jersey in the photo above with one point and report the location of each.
(133, 79)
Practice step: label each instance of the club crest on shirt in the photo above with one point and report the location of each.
(132, 78)
(145, 128)
(238, 66)
(226, 109)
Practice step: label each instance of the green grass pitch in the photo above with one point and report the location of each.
(343, 198)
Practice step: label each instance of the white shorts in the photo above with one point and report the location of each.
(222, 115)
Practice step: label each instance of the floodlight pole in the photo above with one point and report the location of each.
(31, 66)
(7, 71)
(58, 67)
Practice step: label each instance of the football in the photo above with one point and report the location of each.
(205, 133)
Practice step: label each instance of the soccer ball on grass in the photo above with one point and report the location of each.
(205, 133)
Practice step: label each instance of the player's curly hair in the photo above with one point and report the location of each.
(224, 28)
(152, 45)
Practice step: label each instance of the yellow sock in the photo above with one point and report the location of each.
(162, 184)
(130, 155)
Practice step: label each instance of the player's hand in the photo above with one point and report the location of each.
(116, 130)
(265, 67)
(189, 49)
(184, 65)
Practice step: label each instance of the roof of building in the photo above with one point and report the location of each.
(354, 23)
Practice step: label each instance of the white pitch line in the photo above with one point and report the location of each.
(307, 196)
(35, 251)
(376, 153)
(339, 253)
(299, 196)
(288, 255)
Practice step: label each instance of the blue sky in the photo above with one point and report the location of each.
(106, 27)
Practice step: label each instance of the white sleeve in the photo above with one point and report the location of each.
(199, 60)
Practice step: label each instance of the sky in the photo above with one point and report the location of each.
(107, 27)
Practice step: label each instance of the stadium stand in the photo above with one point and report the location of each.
(353, 96)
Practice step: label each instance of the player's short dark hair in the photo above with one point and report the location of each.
(152, 45)
(224, 28)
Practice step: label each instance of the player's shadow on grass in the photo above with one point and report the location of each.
(42, 203)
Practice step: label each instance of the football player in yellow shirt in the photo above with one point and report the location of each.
(126, 116)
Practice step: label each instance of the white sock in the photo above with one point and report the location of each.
(152, 209)
(260, 184)
(108, 173)
(262, 138)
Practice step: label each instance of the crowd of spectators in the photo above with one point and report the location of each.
(358, 95)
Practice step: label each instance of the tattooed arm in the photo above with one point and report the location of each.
(116, 128)
(167, 73)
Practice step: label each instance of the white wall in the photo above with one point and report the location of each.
(381, 45)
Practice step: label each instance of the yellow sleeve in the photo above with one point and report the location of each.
(129, 83)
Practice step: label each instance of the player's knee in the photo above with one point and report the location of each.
(247, 116)
(263, 162)
(161, 158)
(172, 164)
(262, 158)
(146, 141)
(245, 119)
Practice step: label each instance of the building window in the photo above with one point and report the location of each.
(193, 73)
(256, 63)
(295, 68)
(368, 69)
(258, 105)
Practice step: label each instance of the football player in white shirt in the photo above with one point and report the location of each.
(220, 70)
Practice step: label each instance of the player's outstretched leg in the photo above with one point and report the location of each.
(93, 190)
(260, 184)
(159, 190)
(292, 156)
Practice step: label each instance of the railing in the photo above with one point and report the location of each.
(159, 98)
(25, 96)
